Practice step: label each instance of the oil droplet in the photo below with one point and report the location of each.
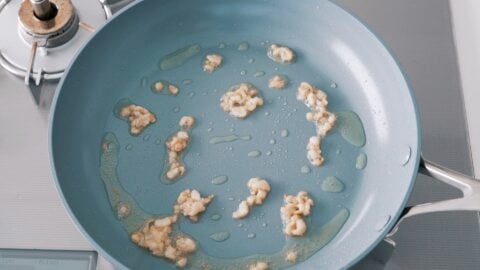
(264, 224)
(243, 72)
(351, 128)
(240, 225)
(339, 151)
(284, 133)
(179, 57)
(187, 81)
(361, 161)
(332, 184)
(289, 114)
(285, 103)
(205, 93)
(272, 141)
(211, 123)
(123, 210)
(129, 147)
(144, 81)
(221, 45)
(267, 113)
(229, 138)
(215, 217)
(273, 132)
(231, 129)
(220, 236)
(243, 46)
(251, 235)
(382, 223)
(254, 153)
(276, 69)
(407, 157)
(305, 169)
(176, 109)
(191, 94)
(219, 180)
(158, 141)
(210, 129)
(294, 110)
(231, 199)
(259, 74)
(251, 61)
(333, 85)
(268, 153)
(146, 137)
(230, 148)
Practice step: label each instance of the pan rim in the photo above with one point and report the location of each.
(411, 93)
(51, 119)
(381, 234)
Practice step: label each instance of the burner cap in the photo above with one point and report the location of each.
(58, 37)
(49, 33)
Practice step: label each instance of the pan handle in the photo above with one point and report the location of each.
(469, 186)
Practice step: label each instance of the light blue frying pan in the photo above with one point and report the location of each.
(334, 52)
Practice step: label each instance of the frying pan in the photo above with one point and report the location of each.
(334, 51)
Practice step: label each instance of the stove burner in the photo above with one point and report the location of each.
(49, 22)
(40, 37)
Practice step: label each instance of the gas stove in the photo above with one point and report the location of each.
(43, 36)
(38, 40)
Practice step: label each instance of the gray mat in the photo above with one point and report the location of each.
(419, 33)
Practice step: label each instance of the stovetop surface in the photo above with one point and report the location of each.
(418, 33)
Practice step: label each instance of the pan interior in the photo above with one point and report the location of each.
(334, 52)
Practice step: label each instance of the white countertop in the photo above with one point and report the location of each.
(466, 26)
(26, 182)
(31, 212)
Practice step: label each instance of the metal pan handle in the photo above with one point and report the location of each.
(469, 186)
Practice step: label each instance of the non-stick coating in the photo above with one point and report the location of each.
(332, 47)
